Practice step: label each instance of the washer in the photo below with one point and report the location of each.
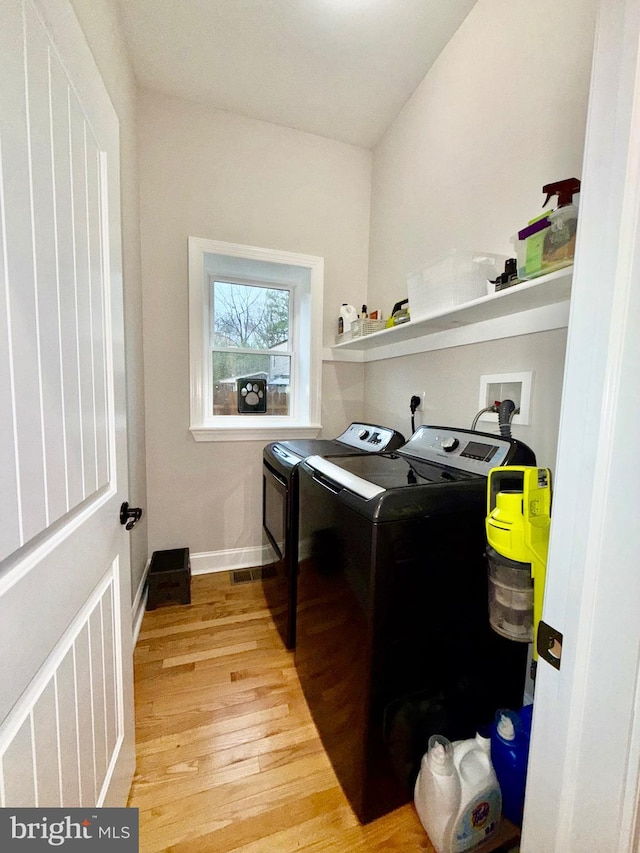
(280, 507)
(393, 641)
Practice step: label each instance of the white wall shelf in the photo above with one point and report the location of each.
(533, 306)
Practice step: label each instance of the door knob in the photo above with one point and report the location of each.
(130, 515)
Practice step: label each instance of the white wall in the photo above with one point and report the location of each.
(99, 20)
(209, 173)
(450, 381)
(501, 113)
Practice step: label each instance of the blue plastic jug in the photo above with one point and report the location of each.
(510, 736)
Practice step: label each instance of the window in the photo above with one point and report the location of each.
(255, 318)
(250, 340)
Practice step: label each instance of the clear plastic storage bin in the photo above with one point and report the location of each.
(366, 327)
(457, 277)
(360, 328)
(528, 269)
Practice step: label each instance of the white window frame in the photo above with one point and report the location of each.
(306, 290)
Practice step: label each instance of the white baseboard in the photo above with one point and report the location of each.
(202, 564)
(233, 558)
(139, 604)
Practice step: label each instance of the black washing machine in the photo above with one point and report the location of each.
(393, 637)
(280, 507)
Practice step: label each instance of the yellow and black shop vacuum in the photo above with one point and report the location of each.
(518, 522)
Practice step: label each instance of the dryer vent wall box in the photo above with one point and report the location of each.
(506, 386)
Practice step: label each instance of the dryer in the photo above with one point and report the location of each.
(393, 638)
(280, 507)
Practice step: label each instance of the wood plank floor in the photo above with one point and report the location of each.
(228, 757)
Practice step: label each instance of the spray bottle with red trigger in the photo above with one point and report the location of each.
(560, 239)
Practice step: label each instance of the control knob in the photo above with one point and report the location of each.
(363, 434)
(449, 444)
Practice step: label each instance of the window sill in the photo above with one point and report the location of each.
(254, 432)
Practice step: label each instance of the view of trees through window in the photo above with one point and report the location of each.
(250, 333)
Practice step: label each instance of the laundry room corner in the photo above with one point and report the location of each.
(211, 174)
(342, 395)
(460, 170)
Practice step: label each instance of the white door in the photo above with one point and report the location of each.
(66, 732)
(583, 780)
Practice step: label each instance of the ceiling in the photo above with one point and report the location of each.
(338, 68)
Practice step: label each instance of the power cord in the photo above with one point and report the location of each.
(413, 405)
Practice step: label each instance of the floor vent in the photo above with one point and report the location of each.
(249, 575)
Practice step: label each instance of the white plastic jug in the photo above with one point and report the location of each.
(457, 795)
(348, 314)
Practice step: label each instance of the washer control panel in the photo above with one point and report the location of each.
(369, 437)
(465, 450)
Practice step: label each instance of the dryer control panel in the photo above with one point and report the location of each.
(370, 438)
(465, 450)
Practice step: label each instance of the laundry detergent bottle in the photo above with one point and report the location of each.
(457, 795)
(510, 735)
(437, 791)
(347, 316)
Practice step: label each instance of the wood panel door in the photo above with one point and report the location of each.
(583, 780)
(66, 721)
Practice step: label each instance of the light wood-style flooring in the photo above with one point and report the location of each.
(228, 757)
